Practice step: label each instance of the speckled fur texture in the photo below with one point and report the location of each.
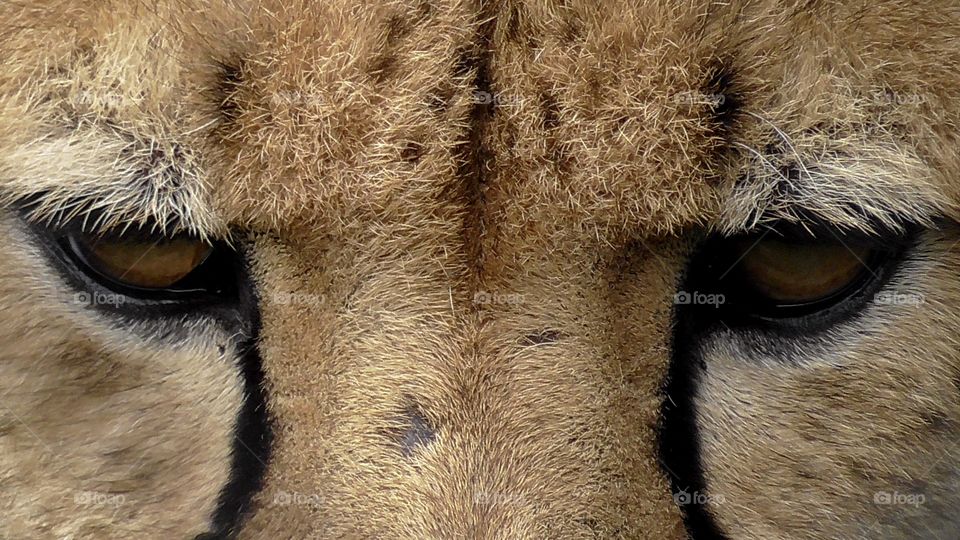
(465, 222)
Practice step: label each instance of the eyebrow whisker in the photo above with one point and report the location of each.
(764, 159)
(786, 139)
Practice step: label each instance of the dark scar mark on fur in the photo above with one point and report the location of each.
(542, 337)
(420, 433)
(412, 152)
(413, 431)
(551, 110)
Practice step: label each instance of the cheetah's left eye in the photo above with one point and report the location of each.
(787, 275)
(774, 273)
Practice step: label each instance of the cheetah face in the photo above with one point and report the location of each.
(519, 269)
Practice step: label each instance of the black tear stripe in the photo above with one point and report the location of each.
(253, 433)
(679, 437)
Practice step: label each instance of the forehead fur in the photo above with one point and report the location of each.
(728, 114)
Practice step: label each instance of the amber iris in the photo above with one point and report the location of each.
(147, 264)
(786, 272)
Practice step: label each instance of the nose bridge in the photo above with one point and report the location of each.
(416, 397)
(458, 340)
(362, 342)
(579, 332)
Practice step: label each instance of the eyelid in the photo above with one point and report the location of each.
(97, 213)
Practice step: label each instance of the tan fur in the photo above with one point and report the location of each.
(475, 215)
(103, 435)
(825, 437)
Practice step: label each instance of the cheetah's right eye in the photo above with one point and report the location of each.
(149, 267)
(141, 263)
